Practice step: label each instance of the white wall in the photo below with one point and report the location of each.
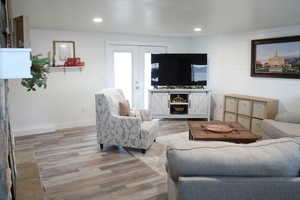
(229, 64)
(69, 99)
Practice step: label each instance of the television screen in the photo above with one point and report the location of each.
(179, 69)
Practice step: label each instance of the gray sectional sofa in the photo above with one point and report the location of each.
(286, 124)
(265, 170)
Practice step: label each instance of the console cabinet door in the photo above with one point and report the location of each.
(198, 103)
(159, 104)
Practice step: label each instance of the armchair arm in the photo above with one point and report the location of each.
(290, 117)
(127, 125)
(145, 115)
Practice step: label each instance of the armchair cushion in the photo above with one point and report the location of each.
(145, 114)
(289, 117)
(142, 114)
(268, 158)
(135, 113)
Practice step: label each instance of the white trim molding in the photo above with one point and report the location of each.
(51, 128)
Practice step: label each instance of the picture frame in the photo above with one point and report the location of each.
(276, 57)
(62, 50)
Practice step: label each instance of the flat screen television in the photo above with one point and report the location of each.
(179, 69)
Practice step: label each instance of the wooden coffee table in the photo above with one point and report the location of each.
(198, 131)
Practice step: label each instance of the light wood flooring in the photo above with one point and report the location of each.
(72, 167)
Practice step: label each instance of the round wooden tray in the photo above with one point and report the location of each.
(219, 128)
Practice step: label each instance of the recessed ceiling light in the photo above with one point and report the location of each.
(98, 20)
(197, 29)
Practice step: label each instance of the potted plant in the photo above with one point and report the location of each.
(39, 72)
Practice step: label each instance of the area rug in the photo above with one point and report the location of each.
(155, 157)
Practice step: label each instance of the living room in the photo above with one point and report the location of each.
(69, 145)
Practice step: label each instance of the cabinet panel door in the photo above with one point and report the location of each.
(256, 126)
(244, 107)
(230, 117)
(160, 104)
(198, 103)
(259, 110)
(244, 121)
(230, 104)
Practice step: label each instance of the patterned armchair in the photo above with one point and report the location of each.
(136, 131)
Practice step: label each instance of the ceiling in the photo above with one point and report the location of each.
(160, 17)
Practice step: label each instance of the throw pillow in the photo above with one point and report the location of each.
(124, 108)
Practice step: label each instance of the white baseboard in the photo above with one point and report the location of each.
(51, 128)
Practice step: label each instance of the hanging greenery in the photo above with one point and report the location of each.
(39, 73)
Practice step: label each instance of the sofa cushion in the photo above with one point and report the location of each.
(135, 113)
(275, 129)
(268, 158)
(290, 117)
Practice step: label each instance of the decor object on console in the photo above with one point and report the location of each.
(126, 131)
(268, 169)
(180, 103)
(220, 131)
(286, 124)
(276, 57)
(249, 111)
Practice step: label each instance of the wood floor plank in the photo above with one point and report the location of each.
(72, 167)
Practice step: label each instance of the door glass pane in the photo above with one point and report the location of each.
(123, 73)
(147, 77)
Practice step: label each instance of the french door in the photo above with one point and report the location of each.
(130, 70)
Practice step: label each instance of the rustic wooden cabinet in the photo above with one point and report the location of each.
(249, 111)
(195, 103)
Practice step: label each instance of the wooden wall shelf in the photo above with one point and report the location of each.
(65, 69)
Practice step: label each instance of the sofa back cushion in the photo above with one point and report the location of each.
(290, 117)
(268, 158)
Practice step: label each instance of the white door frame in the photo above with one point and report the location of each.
(109, 71)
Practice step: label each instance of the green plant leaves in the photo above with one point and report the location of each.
(39, 73)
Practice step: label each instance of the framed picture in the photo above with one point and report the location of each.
(62, 50)
(276, 57)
